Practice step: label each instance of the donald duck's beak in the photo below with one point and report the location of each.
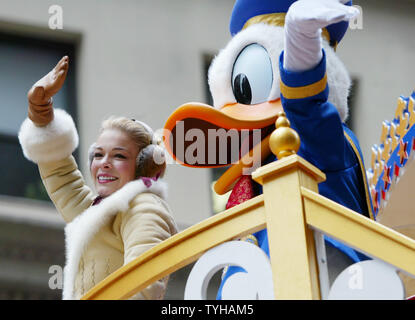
(192, 130)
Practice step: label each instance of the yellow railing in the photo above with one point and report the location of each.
(290, 208)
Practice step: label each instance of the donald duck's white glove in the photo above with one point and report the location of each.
(303, 24)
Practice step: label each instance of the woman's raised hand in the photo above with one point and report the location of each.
(40, 95)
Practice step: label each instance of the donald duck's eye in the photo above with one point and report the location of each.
(252, 75)
(242, 89)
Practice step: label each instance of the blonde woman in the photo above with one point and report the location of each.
(128, 213)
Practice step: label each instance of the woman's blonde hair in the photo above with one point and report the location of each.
(150, 160)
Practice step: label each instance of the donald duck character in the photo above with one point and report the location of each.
(282, 57)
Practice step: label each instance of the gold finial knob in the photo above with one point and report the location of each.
(284, 141)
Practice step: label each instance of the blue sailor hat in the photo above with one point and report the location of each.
(244, 11)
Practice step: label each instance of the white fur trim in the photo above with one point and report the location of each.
(272, 39)
(54, 142)
(83, 228)
(339, 81)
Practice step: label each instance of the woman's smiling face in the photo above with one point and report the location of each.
(114, 161)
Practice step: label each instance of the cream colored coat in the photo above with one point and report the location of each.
(101, 238)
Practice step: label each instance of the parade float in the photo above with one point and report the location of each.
(301, 219)
(278, 237)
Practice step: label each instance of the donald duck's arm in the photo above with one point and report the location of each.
(304, 87)
(304, 96)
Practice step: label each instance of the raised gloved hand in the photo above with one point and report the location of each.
(303, 24)
(40, 95)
